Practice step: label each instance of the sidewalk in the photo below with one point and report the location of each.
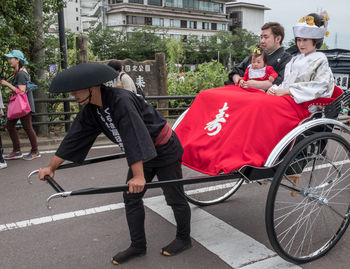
(44, 143)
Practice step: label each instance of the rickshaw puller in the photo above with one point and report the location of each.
(151, 148)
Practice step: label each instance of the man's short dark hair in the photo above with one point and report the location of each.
(116, 65)
(276, 29)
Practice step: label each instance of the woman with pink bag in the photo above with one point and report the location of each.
(18, 87)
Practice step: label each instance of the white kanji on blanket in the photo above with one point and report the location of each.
(214, 127)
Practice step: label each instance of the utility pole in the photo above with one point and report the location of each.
(104, 14)
(336, 41)
(63, 52)
(62, 37)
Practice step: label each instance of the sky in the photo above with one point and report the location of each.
(288, 12)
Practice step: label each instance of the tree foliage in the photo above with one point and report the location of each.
(144, 42)
(207, 75)
(139, 45)
(175, 53)
(18, 29)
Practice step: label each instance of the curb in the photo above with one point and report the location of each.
(45, 143)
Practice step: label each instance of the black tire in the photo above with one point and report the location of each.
(211, 193)
(309, 210)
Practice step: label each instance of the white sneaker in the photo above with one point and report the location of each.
(3, 165)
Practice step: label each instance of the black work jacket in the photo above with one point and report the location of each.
(126, 119)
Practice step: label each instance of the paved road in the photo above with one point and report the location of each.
(85, 232)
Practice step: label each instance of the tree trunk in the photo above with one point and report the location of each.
(38, 55)
(82, 56)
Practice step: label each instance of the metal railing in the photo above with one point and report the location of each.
(164, 108)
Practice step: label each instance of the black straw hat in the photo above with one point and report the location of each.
(82, 76)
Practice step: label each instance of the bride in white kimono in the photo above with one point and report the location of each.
(307, 76)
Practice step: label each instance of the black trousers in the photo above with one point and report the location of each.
(174, 196)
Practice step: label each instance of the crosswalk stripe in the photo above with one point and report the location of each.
(232, 246)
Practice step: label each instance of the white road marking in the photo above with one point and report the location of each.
(232, 246)
(68, 215)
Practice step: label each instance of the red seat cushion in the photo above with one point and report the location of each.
(324, 101)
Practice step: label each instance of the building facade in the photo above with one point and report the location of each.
(245, 15)
(174, 18)
(72, 16)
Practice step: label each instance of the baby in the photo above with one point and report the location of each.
(258, 69)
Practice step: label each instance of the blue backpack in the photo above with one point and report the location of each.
(31, 86)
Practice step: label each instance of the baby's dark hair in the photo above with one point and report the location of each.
(318, 19)
(256, 54)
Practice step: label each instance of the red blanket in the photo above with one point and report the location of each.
(229, 127)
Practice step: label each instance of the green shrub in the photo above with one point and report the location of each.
(208, 75)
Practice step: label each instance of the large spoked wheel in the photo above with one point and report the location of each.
(212, 192)
(308, 205)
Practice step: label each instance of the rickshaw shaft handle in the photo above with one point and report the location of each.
(53, 184)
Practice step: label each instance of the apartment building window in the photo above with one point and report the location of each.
(77, 29)
(158, 22)
(148, 21)
(155, 2)
(236, 20)
(136, 1)
(184, 38)
(175, 23)
(205, 25)
(221, 27)
(196, 4)
(135, 20)
(174, 3)
(213, 26)
(217, 7)
(77, 18)
(114, 1)
(203, 5)
(189, 4)
(161, 36)
(183, 24)
(193, 24)
(176, 37)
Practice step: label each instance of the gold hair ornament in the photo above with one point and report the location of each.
(309, 20)
(257, 50)
(325, 20)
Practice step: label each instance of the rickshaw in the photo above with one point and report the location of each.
(308, 204)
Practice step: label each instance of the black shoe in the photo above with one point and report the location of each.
(176, 247)
(127, 254)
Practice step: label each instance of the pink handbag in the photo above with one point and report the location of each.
(18, 106)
